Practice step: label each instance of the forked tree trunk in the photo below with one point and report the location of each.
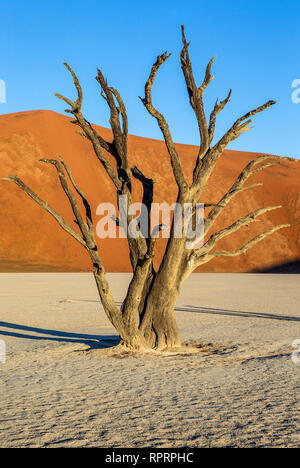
(156, 328)
(157, 325)
(163, 333)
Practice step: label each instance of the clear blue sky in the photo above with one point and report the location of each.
(256, 43)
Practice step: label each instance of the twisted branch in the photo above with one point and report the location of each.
(196, 96)
(249, 244)
(89, 219)
(60, 220)
(244, 221)
(213, 116)
(147, 101)
(207, 156)
(241, 125)
(97, 141)
(238, 187)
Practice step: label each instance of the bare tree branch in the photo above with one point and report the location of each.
(120, 133)
(118, 148)
(244, 221)
(194, 262)
(147, 101)
(110, 307)
(207, 156)
(213, 116)
(97, 141)
(238, 187)
(249, 244)
(241, 125)
(90, 241)
(147, 196)
(47, 208)
(89, 218)
(122, 110)
(196, 95)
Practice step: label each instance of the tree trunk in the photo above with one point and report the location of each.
(165, 328)
(158, 324)
(162, 332)
(157, 328)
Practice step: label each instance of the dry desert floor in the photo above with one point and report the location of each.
(62, 385)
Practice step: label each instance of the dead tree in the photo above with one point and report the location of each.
(146, 318)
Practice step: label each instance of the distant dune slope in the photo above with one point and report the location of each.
(30, 240)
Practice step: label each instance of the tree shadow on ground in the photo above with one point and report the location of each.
(108, 341)
(235, 313)
(94, 341)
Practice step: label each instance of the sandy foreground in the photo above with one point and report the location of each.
(62, 386)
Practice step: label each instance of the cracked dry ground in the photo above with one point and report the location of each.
(62, 386)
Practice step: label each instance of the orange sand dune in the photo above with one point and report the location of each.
(30, 239)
